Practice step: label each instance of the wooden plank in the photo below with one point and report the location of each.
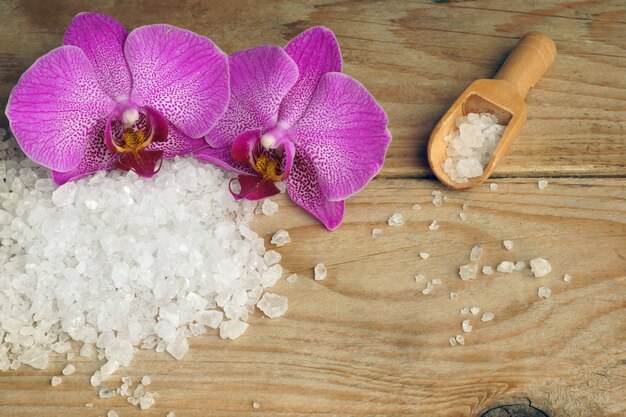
(415, 57)
(366, 341)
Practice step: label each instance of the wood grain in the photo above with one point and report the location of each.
(366, 341)
(416, 58)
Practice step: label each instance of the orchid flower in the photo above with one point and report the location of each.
(294, 117)
(109, 99)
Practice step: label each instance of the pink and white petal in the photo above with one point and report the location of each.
(259, 80)
(55, 107)
(181, 74)
(316, 52)
(145, 163)
(245, 146)
(304, 189)
(344, 132)
(102, 38)
(222, 157)
(177, 144)
(96, 158)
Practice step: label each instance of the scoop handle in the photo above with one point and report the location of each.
(527, 63)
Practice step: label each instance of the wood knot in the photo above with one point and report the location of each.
(515, 410)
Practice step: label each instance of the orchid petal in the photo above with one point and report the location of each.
(259, 80)
(159, 127)
(181, 74)
(316, 52)
(304, 189)
(344, 132)
(222, 157)
(144, 163)
(55, 107)
(244, 144)
(177, 144)
(102, 38)
(96, 158)
(254, 188)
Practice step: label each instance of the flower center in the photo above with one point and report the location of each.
(268, 167)
(133, 131)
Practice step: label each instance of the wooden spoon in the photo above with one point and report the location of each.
(503, 96)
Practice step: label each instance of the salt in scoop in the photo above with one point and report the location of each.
(503, 96)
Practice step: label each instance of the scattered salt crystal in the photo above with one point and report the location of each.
(452, 341)
(474, 310)
(428, 289)
(179, 346)
(109, 368)
(210, 318)
(395, 220)
(519, 265)
(320, 272)
(271, 276)
(436, 281)
(476, 253)
(544, 292)
(256, 405)
(424, 255)
(506, 266)
(487, 270)
(463, 216)
(419, 277)
(467, 272)
(56, 380)
(281, 238)
(493, 186)
(466, 326)
(434, 225)
(268, 207)
(292, 278)
(88, 405)
(487, 316)
(64, 195)
(96, 379)
(542, 184)
(70, 356)
(105, 393)
(146, 380)
(508, 244)
(567, 278)
(146, 401)
(454, 296)
(112, 413)
(273, 305)
(460, 339)
(416, 207)
(376, 233)
(68, 370)
(272, 257)
(171, 414)
(464, 310)
(540, 267)
(91, 204)
(232, 329)
(465, 206)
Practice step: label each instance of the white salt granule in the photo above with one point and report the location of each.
(106, 393)
(256, 405)
(268, 207)
(419, 277)
(146, 380)
(56, 380)
(544, 292)
(281, 238)
(70, 356)
(272, 257)
(232, 329)
(567, 278)
(424, 255)
(273, 305)
(395, 220)
(452, 341)
(428, 289)
(437, 198)
(96, 379)
(376, 233)
(519, 265)
(466, 326)
(476, 253)
(464, 310)
(463, 216)
(416, 207)
(487, 270)
(68, 370)
(542, 184)
(540, 267)
(171, 414)
(292, 278)
(469, 147)
(454, 296)
(146, 401)
(460, 339)
(474, 310)
(436, 281)
(487, 316)
(493, 186)
(91, 204)
(88, 405)
(112, 413)
(467, 272)
(320, 272)
(434, 225)
(506, 266)
(508, 244)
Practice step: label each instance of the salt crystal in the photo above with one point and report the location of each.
(460, 339)
(64, 195)
(467, 272)
(119, 350)
(96, 379)
(463, 216)
(454, 296)
(179, 346)
(493, 186)
(256, 405)
(106, 393)
(109, 368)
(70, 356)
(56, 380)
(292, 278)
(487, 270)
(91, 204)
(544, 292)
(474, 310)
(395, 220)
(466, 326)
(519, 265)
(416, 207)
(487, 316)
(320, 272)
(112, 413)
(272, 257)
(419, 277)
(88, 405)
(436, 281)
(376, 233)
(424, 255)
(506, 266)
(434, 225)
(68, 370)
(464, 310)
(146, 401)
(280, 238)
(271, 276)
(508, 244)
(273, 305)
(171, 414)
(232, 329)
(34, 356)
(540, 267)
(476, 253)
(428, 289)
(268, 207)
(452, 341)
(542, 184)
(567, 278)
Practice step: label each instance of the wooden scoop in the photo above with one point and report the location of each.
(503, 96)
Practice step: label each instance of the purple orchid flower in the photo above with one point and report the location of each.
(109, 99)
(294, 117)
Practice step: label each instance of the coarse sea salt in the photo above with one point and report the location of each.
(469, 147)
(487, 270)
(506, 267)
(280, 238)
(544, 292)
(540, 267)
(395, 220)
(320, 272)
(376, 233)
(508, 244)
(476, 253)
(150, 264)
(467, 272)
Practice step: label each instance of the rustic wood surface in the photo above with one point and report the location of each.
(366, 341)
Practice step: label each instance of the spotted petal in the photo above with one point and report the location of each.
(177, 144)
(222, 157)
(259, 80)
(181, 74)
(55, 107)
(344, 132)
(102, 38)
(304, 188)
(316, 52)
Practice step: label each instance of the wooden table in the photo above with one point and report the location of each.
(366, 341)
